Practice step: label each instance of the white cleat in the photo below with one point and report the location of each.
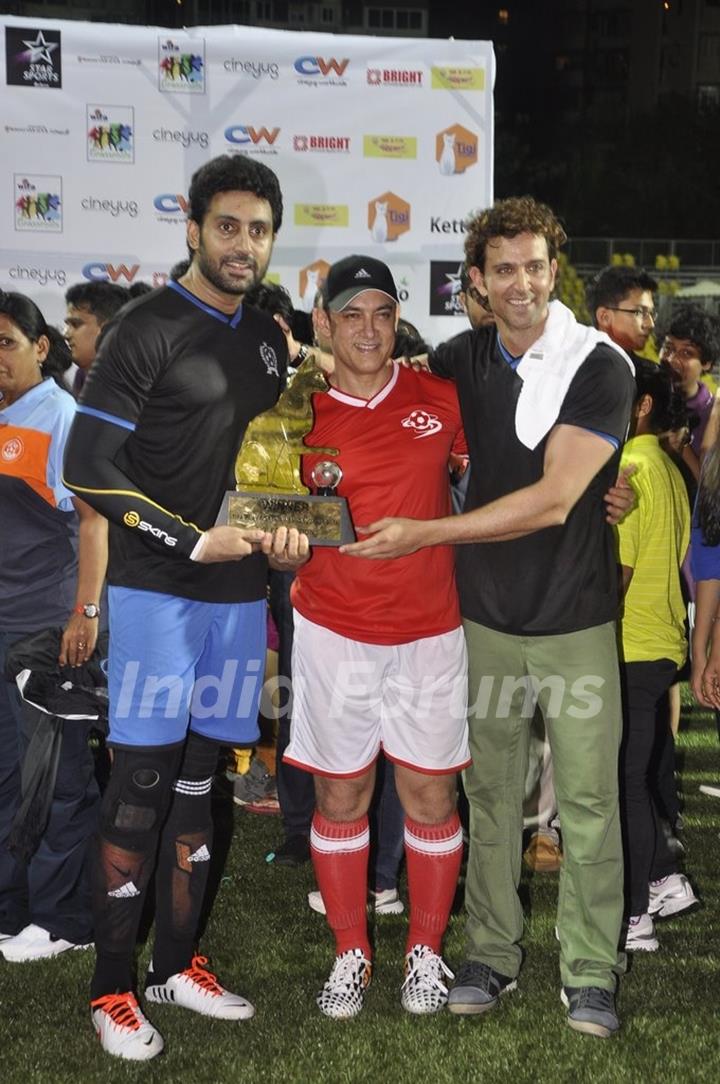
(197, 989)
(123, 1029)
(343, 994)
(425, 988)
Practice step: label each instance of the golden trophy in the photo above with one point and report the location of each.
(269, 491)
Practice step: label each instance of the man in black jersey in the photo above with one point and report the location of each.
(178, 376)
(545, 405)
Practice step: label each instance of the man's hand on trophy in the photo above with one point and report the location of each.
(227, 544)
(286, 549)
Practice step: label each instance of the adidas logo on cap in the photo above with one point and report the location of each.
(352, 276)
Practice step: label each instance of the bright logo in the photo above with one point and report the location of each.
(388, 217)
(11, 450)
(424, 424)
(312, 278)
(456, 149)
(181, 67)
(131, 519)
(38, 203)
(394, 77)
(108, 272)
(454, 78)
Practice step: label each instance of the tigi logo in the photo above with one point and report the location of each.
(312, 278)
(245, 139)
(33, 57)
(108, 272)
(181, 65)
(110, 133)
(319, 71)
(38, 203)
(269, 356)
(388, 217)
(456, 149)
(12, 450)
(422, 423)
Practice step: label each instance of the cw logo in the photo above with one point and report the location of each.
(171, 204)
(317, 65)
(239, 133)
(108, 272)
(131, 519)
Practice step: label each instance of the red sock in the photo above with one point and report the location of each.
(433, 853)
(340, 858)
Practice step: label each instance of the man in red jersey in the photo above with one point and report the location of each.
(379, 657)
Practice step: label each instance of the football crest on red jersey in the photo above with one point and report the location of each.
(423, 423)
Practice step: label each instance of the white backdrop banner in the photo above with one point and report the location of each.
(382, 146)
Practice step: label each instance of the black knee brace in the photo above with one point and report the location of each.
(138, 794)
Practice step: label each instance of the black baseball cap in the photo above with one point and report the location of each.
(352, 276)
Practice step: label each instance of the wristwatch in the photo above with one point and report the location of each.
(90, 609)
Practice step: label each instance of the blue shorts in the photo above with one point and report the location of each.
(177, 664)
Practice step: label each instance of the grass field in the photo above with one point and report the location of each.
(268, 945)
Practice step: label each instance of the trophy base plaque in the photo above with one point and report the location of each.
(325, 520)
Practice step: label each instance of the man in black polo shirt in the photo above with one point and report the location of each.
(178, 376)
(546, 404)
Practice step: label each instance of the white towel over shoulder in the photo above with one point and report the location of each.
(547, 370)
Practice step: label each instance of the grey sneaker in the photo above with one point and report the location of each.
(671, 895)
(591, 1010)
(477, 988)
(257, 783)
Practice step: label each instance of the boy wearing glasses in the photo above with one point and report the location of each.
(620, 300)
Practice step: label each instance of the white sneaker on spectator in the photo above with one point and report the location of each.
(35, 943)
(669, 896)
(712, 792)
(640, 936)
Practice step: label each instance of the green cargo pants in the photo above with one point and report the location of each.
(574, 678)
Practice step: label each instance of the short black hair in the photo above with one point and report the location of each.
(668, 410)
(699, 327)
(102, 299)
(272, 298)
(233, 173)
(24, 313)
(612, 285)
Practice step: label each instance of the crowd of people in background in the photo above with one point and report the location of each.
(551, 519)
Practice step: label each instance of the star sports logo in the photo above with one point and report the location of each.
(33, 57)
(424, 424)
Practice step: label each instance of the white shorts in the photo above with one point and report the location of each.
(350, 698)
